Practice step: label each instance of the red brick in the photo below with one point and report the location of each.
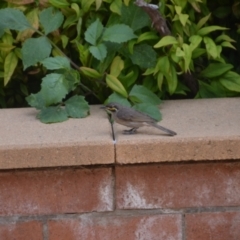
(160, 227)
(213, 226)
(178, 185)
(21, 231)
(55, 191)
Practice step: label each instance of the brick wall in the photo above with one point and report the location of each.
(177, 201)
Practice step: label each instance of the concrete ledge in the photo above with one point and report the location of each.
(208, 129)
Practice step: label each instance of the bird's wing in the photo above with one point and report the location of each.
(134, 115)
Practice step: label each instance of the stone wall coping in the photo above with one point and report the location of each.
(207, 129)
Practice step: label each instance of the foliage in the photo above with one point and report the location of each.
(60, 55)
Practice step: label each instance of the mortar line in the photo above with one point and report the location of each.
(183, 227)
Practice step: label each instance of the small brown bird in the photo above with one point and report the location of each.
(132, 118)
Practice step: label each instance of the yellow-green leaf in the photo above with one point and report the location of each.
(89, 72)
(116, 6)
(5, 47)
(116, 66)
(98, 4)
(228, 44)
(10, 64)
(202, 21)
(147, 36)
(165, 41)
(116, 85)
(211, 47)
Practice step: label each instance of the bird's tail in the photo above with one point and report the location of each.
(168, 131)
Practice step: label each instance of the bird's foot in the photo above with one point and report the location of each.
(130, 131)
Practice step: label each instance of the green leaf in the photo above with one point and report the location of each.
(147, 36)
(36, 100)
(51, 19)
(202, 21)
(187, 56)
(224, 37)
(228, 44)
(149, 109)
(197, 52)
(116, 6)
(94, 32)
(52, 115)
(116, 66)
(183, 18)
(59, 3)
(144, 56)
(72, 78)
(140, 94)
(118, 33)
(54, 63)
(211, 47)
(99, 51)
(117, 98)
(163, 65)
(10, 65)
(216, 69)
(116, 85)
(13, 19)
(35, 50)
(231, 81)
(134, 17)
(77, 107)
(171, 79)
(89, 72)
(195, 40)
(209, 29)
(54, 88)
(165, 41)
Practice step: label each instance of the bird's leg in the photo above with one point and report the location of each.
(130, 131)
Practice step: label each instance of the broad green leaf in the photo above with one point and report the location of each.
(86, 4)
(89, 72)
(171, 79)
(35, 50)
(216, 69)
(197, 52)
(59, 3)
(202, 21)
(209, 29)
(36, 100)
(183, 18)
(149, 109)
(72, 78)
(211, 47)
(118, 33)
(13, 19)
(54, 88)
(165, 41)
(99, 51)
(117, 98)
(54, 63)
(77, 107)
(228, 44)
(160, 80)
(195, 40)
(98, 4)
(51, 19)
(130, 78)
(140, 94)
(224, 37)
(116, 85)
(52, 115)
(147, 36)
(134, 17)
(187, 56)
(32, 17)
(231, 81)
(10, 64)
(116, 6)
(116, 66)
(162, 65)
(94, 32)
(144, 56)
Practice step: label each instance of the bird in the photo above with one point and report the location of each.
(132, 118)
